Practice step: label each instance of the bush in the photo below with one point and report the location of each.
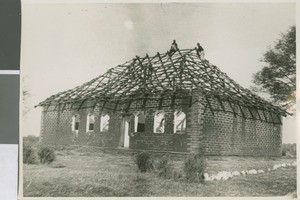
(144, 161)
(46, 155)
(29, 155)
(289, 150)
(165, 168)
(284, 152)
(194, 167)
(31, 140)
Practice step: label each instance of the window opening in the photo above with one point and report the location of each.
(104, 123)
(90, 122)
(139, 122)
(179, 121)
(159, 122)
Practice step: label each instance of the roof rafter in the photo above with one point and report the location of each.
(164, 76)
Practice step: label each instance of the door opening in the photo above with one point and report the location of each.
(126, 121)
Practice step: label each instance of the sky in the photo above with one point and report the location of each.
(66, 45)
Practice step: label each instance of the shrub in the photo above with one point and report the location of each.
(144, 161)
(284, 152)
(194, 167)
(289, 150)
(46, 155)
(31, 140)
(165, 168)
(29, 155)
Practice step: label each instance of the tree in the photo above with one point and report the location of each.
(278, 76)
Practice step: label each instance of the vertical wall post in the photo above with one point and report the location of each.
(195, 134)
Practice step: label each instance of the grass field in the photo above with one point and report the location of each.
(94, 172)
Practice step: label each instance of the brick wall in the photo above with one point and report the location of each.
(167, 141)
(195, 119)
(227, 134)
(218, 133)
(56, 128)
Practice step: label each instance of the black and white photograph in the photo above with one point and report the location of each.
(161, 99)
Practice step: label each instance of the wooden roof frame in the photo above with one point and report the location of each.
(163, 76)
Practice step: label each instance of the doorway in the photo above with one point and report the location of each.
(126, 126)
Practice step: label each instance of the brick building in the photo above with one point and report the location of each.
(176, 101)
